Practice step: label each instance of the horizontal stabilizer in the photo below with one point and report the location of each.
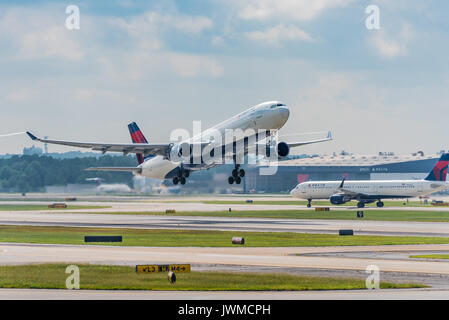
(303, 143)
(119, 169)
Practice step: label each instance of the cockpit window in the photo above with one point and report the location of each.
(277, 105)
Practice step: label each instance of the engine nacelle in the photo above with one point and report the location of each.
(339, 199)
(180, 152)
(281, 149)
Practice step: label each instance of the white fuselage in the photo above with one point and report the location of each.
(382, 189)
(260, 117)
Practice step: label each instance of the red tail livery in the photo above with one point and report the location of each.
(439, 172)
(137, 137)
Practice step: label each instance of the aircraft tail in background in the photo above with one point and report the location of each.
(439, 171)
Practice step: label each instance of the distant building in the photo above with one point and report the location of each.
(32, 151)
(337, 167)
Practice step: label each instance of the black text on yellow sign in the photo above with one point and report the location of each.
(163, 268)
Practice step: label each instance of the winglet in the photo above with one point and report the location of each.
(32, 136)
(341, 184)
(329, 135)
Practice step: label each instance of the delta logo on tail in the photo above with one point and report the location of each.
(137, 137)
(439, 172)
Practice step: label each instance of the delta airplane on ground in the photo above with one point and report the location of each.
(174, 160)
(368, 191)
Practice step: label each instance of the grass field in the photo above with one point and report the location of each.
(431, 256)
(379, 215)
(199, 238)
(53, 276)
(32, 207)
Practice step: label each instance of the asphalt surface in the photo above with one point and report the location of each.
(361, 227)
(292, 257)
(393, 261)
(403, 294)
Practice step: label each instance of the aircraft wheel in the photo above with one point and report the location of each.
(309, 205)
(183, 180)
(186, 174)
(238, 180)
(235, 173)
(231, 180)
(360, 205)
(380, 204)
(175, 180)
(242, 173)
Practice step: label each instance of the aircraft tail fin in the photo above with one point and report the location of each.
(137, 137)
(439, 171)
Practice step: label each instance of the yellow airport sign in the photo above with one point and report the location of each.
(163, 268)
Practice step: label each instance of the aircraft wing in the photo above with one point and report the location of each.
(142, 148)
(297, 144)
(349, 193)
(119, 169)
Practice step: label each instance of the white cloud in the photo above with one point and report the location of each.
(22, 95)
(193, 65)
(388, 47)
(54, 41)
(280, 33)
(38, 34)
(189, 24)
(218, 41)
(152, 23)
(300, 10)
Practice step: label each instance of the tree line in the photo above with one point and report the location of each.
(31, 173)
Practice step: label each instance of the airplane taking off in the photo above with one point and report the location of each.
(176, 160)
(368, 191)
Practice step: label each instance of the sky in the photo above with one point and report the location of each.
(167, 63)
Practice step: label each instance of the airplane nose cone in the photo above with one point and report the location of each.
(285, 113)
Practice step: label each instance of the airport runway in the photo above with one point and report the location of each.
(197, 206)
(314, 260)
(360, 227)
(326, 261)
(393, 294)
(292, 257)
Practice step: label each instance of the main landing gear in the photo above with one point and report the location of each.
(361, 204)
(181, 177)
(309, 203)
(237, 175)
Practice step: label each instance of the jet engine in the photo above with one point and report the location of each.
(281, 149)
(180, 152)
(339, 199)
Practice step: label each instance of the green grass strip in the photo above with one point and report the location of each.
(431, 256)
(53, 276)
(199, 238)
